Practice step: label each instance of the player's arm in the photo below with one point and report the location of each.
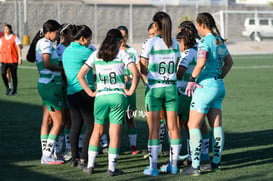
(132, 67)
(143, 66)
(48, 65)
(180, 72)
(228, 62)
(201, 62)
(81, 77)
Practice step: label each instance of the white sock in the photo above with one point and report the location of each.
(67, 142)
(49, 147)
(153, 155)
(43, 144)
(174, 152)
(59, 144)
(80, 140)
(112, 161)
(205, 146)
(104, 141)
(132, 139)
(91, 159)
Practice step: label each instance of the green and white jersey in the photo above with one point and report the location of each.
(109, 75)
(133, 55)
(162, 61)
(188, 60)
(45, 46)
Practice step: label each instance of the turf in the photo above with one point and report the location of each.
(247, 120)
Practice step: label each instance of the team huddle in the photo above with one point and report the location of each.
(80, 85)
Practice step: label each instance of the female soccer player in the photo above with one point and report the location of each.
(130, 120)
(49, 85)
(81, 105)
(206, 82)
(158, 67)
(188, 25)
(65, 39)
(110, 102)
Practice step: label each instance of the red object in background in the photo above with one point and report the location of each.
(1, 33)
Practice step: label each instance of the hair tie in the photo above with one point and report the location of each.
(41, 32)
(64, 28)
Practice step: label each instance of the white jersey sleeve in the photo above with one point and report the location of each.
(90, 62)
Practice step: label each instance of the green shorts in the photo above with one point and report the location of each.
(52, 95)
(110, 107)
(163, 97)
(183, 106)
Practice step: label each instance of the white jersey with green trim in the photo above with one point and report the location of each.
(162, 61)
(188, 60)
(45, 46)
(110, 75)
(133, 55)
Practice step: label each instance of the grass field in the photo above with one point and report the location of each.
(247, 120)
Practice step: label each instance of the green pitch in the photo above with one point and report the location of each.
(247, 120)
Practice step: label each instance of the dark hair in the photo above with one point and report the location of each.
(123, 28)
(67, 29)
(207, 19)
(188, 38)
(81, 31)
(9, 26)
(150, 26)
(165, 25)
(190, 26)
(110, 47)
(48, 26)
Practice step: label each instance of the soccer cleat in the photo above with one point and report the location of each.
(8, 92)
(105, 149)
(67, 155)
(74, 163)
(210, 167)
(168, 169)
(151, 172)
(49, 160)
(14, 93)
(184, 160)
(206, 167)
(59, 156)
(215, 167)
(191, 171)
(134, 150)
(89, 170)
(115, 173)
(82, 164)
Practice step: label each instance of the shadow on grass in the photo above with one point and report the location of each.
(248, 149)
(20, 147)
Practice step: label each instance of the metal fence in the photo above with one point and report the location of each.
(100, 18)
